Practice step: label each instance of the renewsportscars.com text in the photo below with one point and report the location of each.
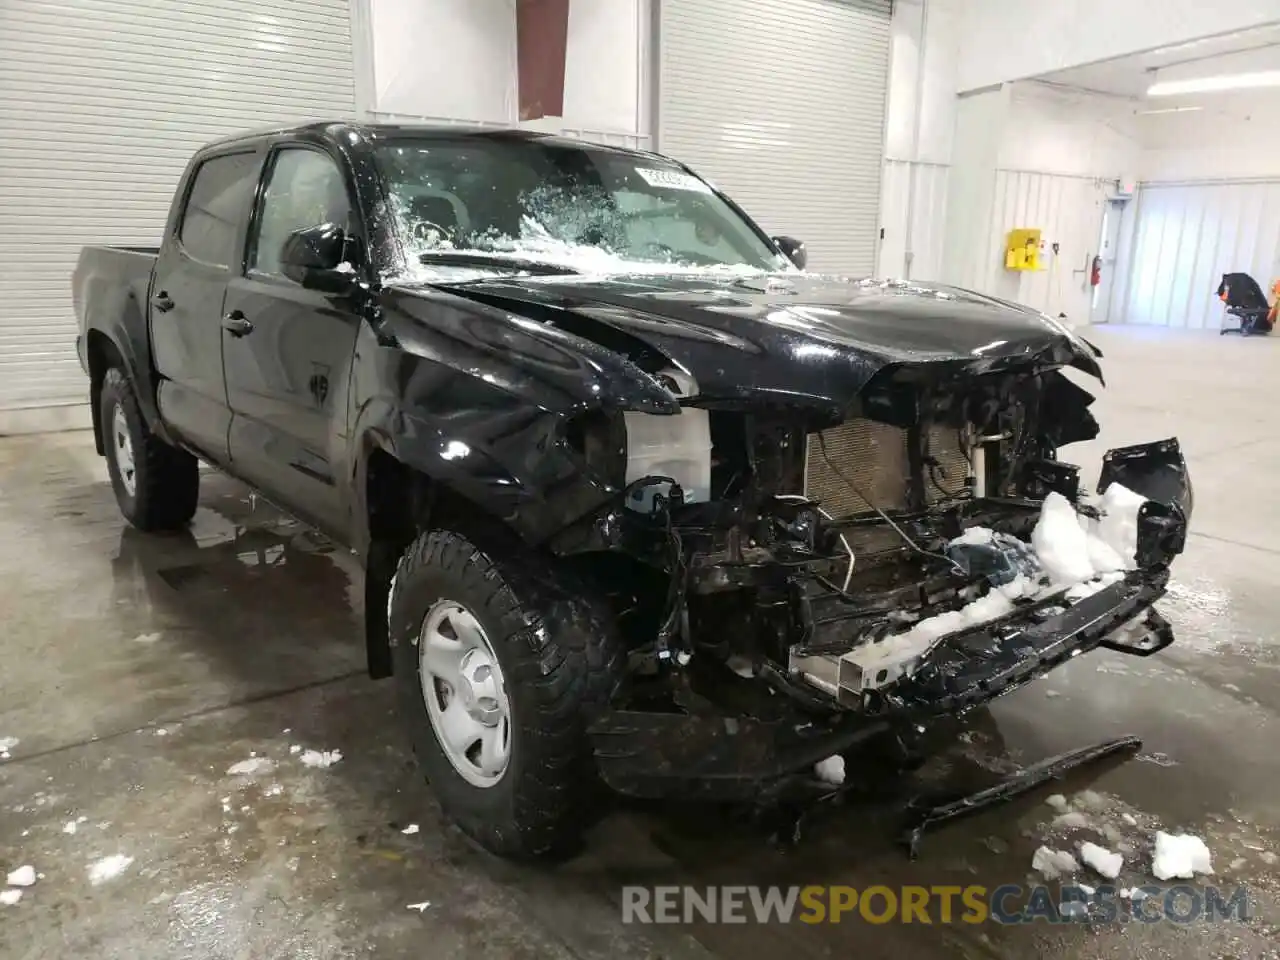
(1007, 904)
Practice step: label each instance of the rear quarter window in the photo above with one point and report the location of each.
(216, 204)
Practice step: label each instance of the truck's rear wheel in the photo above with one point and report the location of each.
(499, 666)
(156, 485)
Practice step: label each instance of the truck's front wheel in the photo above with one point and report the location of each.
(156, 485)
(500, 664)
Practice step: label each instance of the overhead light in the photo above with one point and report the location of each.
(1226, 81)
(1169, 110)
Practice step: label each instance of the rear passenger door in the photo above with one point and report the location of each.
(185, 311)
(288, 350)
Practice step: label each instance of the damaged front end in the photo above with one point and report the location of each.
(790, 587)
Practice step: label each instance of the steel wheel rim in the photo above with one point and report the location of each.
(464, 692)
(122, 450)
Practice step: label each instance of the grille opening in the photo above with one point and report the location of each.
(876, 458)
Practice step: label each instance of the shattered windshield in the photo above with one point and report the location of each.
(486, 204)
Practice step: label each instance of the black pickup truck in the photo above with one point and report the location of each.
(639, 499)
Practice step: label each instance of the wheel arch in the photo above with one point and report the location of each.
(396, 500)
(121, 340)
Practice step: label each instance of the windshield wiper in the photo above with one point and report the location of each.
(458, 258)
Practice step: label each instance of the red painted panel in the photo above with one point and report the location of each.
(542, 34)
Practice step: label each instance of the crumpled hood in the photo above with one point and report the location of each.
(799, 337)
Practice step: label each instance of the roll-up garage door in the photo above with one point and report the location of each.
(781, 103)
(102, 103)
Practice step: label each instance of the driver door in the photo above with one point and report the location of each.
(287, 351)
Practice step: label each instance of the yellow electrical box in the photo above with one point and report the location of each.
(1022, 250)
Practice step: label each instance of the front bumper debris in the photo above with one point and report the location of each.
(922, 815)
(690, 757)
(974, 667)
(1157, 471)
(650, 754)
(710, 756)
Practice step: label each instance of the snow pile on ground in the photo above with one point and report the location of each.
(1052, 864)
(1058, 802)
(22, 877)
(9, 898)
(7, 744)
(420, 907)
(830, 770)
(1107, 864)
(108, 868)
(320, 758)
(251, 767)
(1180, 856)
(1071, 820)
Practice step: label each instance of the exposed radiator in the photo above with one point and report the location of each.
(874, 457)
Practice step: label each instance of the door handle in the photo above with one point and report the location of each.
(162, 302)
(237, 324)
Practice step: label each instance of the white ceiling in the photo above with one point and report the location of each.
(1245, 51)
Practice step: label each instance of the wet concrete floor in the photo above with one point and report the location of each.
(136, 670)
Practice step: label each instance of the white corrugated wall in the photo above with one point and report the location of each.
(101, 104)
(1068, 210)
(782, 104)
(1183, 238)
(926, 233)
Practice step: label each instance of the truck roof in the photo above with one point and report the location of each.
(345, 130)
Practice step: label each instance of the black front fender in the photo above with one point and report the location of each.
(541, 363)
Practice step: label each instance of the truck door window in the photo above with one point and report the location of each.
(215, 207)
(304, 188)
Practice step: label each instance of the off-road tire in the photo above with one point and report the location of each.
(166, 479)
(562, 661)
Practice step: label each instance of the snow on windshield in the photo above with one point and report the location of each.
(593, 213)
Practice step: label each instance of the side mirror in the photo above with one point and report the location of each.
(794, 250)
(313, 257)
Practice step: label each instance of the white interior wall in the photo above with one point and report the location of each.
(1209, 205)
(979, 127)
(1235, 135)
(445, 59)
(927, 234)
(1059, 160)
(1185, 237)
(1001, 42)
(456, 61)
(917, 158)
(941, 54)
(1049, 130)
(1031, 156)
(606, 65)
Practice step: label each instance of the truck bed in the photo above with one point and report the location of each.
(106, 278)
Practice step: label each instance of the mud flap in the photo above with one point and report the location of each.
(380, 565)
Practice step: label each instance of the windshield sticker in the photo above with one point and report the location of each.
(672, 180)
